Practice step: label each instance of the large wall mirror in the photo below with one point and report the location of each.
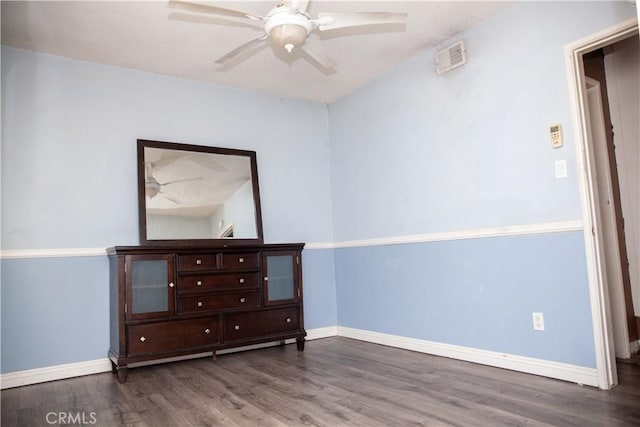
(197, 195)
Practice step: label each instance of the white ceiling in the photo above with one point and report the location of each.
(149, 36)
(192, 183)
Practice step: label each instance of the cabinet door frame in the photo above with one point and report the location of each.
(171, 290)
(297, 278)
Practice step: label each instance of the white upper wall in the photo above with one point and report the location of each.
(415, 152)
(69, 131)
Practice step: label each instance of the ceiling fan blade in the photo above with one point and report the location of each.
(314, 49)
(182, 180)
(203, 8)
(331, 21)
(170, 198)
(241, 49)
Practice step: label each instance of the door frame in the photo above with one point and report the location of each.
(600, 308)
(614, 282)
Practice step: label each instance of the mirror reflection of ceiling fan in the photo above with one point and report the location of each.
(290, 27)
(153, 187)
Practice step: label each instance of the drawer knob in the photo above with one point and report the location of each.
(236, 327)
(142, 339)
(199, 283)
(199, 303)
(207, 331)
(198, 261)
(243, 300)
(240, 259)
(241, 280)
(171, 285)
(288, 320)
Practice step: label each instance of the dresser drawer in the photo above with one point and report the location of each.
(219, 281)
(197, 262)
(203, 303)
(164, 337)
(240, 260)
(261, 323)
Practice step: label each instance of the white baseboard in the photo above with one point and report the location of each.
(561, 371)
(71, 370)
(318, 333)
(52, 373)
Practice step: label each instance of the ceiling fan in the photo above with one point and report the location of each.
(290, 27)
(152, 187)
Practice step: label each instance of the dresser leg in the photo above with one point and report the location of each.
(122, 374)
(114, 368)
(300, 344)
(214, 356)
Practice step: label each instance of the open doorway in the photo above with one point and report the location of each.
(606, 238)
(613, 99)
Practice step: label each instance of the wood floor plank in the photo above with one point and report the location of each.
(334, 382)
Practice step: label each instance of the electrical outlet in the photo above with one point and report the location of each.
(538, 321)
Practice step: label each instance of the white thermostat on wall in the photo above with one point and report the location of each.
(556, 136)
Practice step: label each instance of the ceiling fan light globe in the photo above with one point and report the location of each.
(289, 36)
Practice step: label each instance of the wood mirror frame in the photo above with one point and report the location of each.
(196, 173)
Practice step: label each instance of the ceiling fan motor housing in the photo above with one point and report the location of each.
(151, 189)
(288, 28)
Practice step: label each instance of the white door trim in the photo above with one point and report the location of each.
(608, 225)
(600, 311)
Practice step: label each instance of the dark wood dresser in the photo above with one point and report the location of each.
(167, 301)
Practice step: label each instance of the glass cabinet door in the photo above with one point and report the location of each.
(281, 282)
(150, 287)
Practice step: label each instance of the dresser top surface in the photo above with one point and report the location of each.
(156, 249)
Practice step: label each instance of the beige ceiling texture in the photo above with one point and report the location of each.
(150, 36)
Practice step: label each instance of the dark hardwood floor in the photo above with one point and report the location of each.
(335, 382)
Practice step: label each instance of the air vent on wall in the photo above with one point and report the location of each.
(450, 58)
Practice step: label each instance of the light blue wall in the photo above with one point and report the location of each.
(69, 145)
(415, 152)
(69, 131)
(178, 227)
(236, 208)
(320, 303)
(54, 311)
(476, 293)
